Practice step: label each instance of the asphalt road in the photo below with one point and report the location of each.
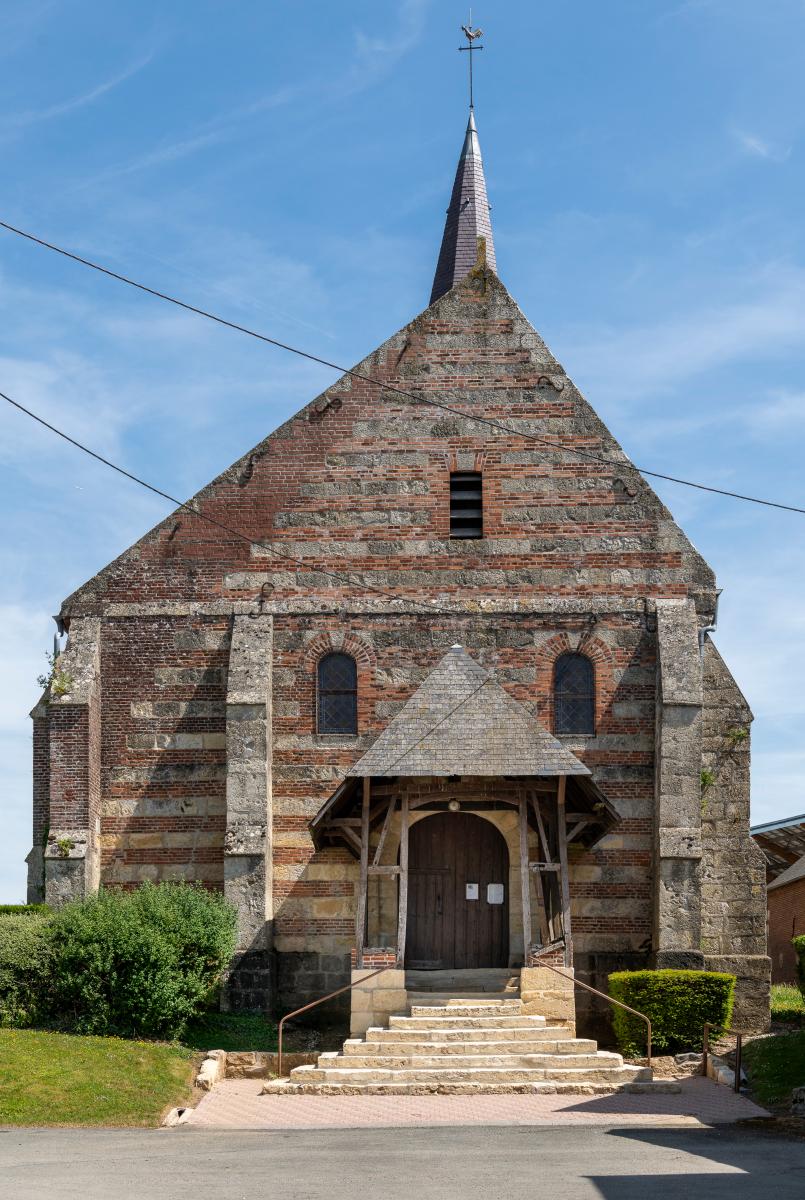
(582, 1163)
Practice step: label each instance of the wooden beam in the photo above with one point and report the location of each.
(351, 837)
(363, 885)
(540, 866)
(563, 874)
(373, 870)
(786, 855)
(546, 883)
(577, 828)
(402, 891)
(525, 879)
(384, 831)
(546, 850)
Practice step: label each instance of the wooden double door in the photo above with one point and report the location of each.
(458, 894)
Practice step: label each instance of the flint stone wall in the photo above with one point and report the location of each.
(576, 554)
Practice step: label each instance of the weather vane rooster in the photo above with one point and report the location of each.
(472, 36)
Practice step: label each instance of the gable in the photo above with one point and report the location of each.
(358, 482)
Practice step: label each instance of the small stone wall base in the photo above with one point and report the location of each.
(679, 960)
(375, 1001)
(550, 994)
(71, 864)
(752, 972)
(36, 876)
(250, 982)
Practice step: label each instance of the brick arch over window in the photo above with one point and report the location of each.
(339, 643)
(328, 643)
(593, 648)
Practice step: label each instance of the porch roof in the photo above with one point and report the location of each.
(461, 721)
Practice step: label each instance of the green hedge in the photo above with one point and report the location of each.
(799, 945)
(26, 958)
(139, 963)
(21, 910)
(678, 1004)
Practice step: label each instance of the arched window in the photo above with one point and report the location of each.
(573, 694)
(337, 694)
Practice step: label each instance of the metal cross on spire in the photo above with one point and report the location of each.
(472, 36)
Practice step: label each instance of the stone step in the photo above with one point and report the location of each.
(532, 1045)
(449, 1036)
(443, 998)
(478, 1075)
(462, 1008)
(437, 1021)
(462, 982)
(458, 1062)
(286, 1087)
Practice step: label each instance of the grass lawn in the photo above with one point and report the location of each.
(775, 1065)
(62, 1079)
(787, 1003)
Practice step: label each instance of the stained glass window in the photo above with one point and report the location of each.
(337, 694)
(573, 694)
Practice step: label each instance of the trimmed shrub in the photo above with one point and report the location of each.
(22, 910)
(139, 963)
(678, 1003)
(799, 946)
(25, 965)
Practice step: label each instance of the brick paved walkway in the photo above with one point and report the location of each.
(237, 1104)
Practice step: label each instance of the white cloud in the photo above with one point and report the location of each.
(777, 413)
(373, 57)
(758, 147)
(15, 122)
(632, 362)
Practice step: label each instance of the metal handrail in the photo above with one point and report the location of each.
(610, 1000)
(315, 1004)
(739, 1037)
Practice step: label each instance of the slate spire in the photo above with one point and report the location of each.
(467, 219)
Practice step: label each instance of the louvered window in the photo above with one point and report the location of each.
(573, 694)
(466, 505)
(337, 694)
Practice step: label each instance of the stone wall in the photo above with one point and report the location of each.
(349, 495)
(550, 994)
(677, 930)
(248, 877)
(374, 1001)
(71, 852)
(41, 802)
(733, 866)
(163, 773)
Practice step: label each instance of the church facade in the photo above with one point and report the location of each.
(417, 686)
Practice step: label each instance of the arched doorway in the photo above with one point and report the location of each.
(458, 894)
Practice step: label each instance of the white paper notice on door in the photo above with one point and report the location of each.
(471, 891)
(494, 893)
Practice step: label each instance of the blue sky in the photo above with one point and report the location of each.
(289, 164)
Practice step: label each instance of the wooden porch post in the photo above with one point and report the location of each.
(402, 910)
(561, 837)
(525, 883)
(363, 885)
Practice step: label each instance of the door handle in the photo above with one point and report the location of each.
(438, 905)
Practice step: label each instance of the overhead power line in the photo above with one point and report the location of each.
(340, 576)
(415, 397)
